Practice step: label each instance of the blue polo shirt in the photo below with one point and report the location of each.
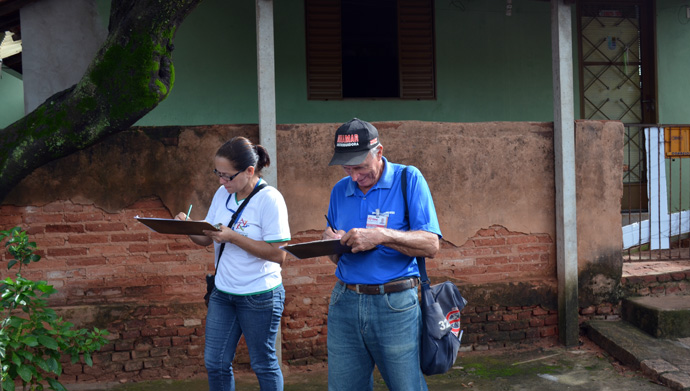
(349, 208)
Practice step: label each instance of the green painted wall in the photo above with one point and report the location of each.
(11, 97)
(673, 52)
(490, 67)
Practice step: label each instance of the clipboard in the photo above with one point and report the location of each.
(177, 227)
(316, 248)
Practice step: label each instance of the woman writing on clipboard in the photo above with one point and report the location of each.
(248, 297)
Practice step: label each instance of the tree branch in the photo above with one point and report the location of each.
(131, 74)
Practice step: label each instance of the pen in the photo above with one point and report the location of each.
(188, 212)
(330, 224)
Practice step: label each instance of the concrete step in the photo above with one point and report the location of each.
(661, 317)
(663, 360)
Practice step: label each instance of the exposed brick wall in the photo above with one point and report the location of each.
(146, 289)
(663, 284)
(92, 256)
(676, 283)
(497, 254)
(146, 343)
(499, 327)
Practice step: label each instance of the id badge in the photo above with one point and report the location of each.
(380, 221)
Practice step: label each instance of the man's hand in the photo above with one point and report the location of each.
(362, 239)
(412, 243)
(328, 234)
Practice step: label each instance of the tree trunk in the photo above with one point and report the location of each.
(131, 74)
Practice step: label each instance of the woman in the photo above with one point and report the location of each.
(248, 297)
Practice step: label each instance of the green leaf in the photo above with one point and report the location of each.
(47, 342)
(8, 385)
(29, 340)
(26, 354)
(88, 359)
(41, 363)
(55, 385)
(16, 359)
(53, 365)
(24, 372)
(11, 263)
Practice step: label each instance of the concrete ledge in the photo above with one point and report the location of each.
(659, 359)
(661, 317)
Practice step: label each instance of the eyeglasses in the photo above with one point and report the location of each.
(225, 176)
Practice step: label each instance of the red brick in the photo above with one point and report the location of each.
(536, 322)
(588, 310)
(129, 237)
(133, 365)
(489, 242)
(108, 249)
(525, 315)
(521, 239)
(158, 311)
(548, 331)
(173, 258)
(82, 217)
(105, 227)
(83, 238)
(492, 260)
(64, 228)
(89, 261)
(33, 219)
(551, 320)
(120, 356)
(531, 248)
(493, 318)
(678, 276)
(67, 252)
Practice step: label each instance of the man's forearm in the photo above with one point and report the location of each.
(412, 243)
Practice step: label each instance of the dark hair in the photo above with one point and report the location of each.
(243, 154)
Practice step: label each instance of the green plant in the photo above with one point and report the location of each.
(32, 337)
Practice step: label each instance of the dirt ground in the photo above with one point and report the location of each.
(549, 367)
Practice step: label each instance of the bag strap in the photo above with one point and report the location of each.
(421, 261)
(235, 215)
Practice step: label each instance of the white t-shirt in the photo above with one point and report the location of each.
(265, 218)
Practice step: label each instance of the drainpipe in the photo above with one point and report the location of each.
(564, 152)
(265, 52)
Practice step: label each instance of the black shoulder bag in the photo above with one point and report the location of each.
(441, 306)
(211, 278)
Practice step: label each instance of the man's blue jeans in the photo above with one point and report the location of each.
(367, 330)
(255, 316)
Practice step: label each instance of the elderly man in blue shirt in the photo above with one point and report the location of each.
(374, 318)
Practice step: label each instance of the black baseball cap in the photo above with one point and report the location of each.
(353, 141)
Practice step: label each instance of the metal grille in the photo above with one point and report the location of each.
(656, 224)
(611, 63)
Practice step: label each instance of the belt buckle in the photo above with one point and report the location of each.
(357, 288)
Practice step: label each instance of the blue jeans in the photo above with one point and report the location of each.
(255, 316)
(367, 330)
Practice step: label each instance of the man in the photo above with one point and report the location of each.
(374, 316)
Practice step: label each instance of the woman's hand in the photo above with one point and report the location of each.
(198, 239)
(225, 235)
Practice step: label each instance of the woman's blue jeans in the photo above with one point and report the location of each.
(367, 330)
(255, 316)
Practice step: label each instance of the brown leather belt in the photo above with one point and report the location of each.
(389, 287)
